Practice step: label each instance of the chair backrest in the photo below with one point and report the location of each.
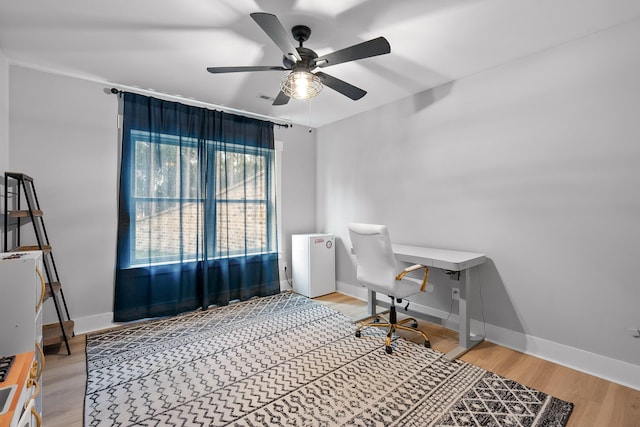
(376, 265)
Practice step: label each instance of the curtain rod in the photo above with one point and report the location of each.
(275, 120)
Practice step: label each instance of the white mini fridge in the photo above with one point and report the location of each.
(313, 263)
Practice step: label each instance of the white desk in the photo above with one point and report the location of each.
(451, 261)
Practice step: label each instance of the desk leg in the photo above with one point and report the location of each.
(371, 302)
(464, 332)
(371, 308)
(463, 309)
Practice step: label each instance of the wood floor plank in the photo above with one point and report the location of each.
(598, 403)
(63, 383)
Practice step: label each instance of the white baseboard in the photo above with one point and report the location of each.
(604, 367)
(613, 370)
(357, 292)
(96, 322)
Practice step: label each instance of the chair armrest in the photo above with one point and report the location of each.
(414, 268)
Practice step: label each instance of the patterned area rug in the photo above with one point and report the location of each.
(286, 360)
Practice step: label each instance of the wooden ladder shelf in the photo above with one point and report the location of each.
(21, 205)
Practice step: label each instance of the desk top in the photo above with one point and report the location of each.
(439, 258)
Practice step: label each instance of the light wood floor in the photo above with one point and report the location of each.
(598, 403)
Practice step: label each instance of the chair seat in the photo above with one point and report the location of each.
(400, 288)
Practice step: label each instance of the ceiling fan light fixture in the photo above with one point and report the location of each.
(301, 85)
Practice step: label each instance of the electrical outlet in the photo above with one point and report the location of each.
(285, 265)
(455, 294)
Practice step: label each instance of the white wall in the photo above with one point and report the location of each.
(298, 210)
(535, 163)
(4, 112)
(64, 134)
(4, 133)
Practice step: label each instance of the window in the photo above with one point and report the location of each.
(169, 197)
(196, 213)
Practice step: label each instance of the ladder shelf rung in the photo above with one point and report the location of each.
(45, 248)
(57, 286)
(52, 334)
(19, 176)
(25, 214)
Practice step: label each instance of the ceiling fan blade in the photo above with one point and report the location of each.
(281, 99)
(271, 25)
(218, 70)
(343, 87)
(375, 47)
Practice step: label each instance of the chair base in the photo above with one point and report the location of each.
(392, 325)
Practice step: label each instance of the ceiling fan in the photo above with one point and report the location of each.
(305, 81)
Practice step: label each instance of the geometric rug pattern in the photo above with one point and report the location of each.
(286, 360)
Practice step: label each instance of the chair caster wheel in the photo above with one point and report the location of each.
(388, 349)
(358, 334)
(427, 344)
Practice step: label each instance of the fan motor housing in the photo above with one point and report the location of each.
(308, 58)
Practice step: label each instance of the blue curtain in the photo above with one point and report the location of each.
(196, 222)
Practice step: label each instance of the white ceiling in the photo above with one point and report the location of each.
(166, 45)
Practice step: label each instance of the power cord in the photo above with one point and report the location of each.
(289, 281)
(450, 310)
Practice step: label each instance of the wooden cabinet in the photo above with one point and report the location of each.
(23, 289)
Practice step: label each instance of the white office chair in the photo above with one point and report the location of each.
(377, 269)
